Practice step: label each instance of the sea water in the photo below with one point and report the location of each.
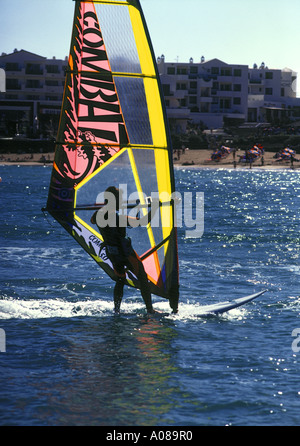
(66, 359)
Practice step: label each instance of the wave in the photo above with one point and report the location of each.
(58, 308)
(52, 308)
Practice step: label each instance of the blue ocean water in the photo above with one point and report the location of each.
(70, 361)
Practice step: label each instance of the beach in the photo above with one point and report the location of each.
(201, 158)
(27, 158)
(196, 158)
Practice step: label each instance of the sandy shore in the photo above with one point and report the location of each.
(26, 159)
(191, 158)
(201, 158)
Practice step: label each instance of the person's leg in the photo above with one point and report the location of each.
(119, 286)
(118, 294)
(137, 266)
(145, 289)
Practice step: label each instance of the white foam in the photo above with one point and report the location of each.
(51, 308)
(60, 308)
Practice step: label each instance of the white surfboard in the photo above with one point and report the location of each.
(222, 307)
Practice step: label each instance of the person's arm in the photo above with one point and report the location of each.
(145, 219)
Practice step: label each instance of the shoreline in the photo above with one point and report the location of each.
(201, 159)
(189, 159)
(34, 159)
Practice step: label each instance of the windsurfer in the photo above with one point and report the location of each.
(119, 249)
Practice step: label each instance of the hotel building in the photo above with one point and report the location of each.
(216, 93)
(34, 89)
(212, 93)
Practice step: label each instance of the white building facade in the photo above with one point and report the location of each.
(272, 94)
(34, 91)
(216, 93)
(211, 92)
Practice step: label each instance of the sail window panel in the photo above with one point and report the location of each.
(117, 173)
(118, 38)
(133, 102)
(147, 180)
(145, 164)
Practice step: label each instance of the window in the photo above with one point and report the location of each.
(215, 70)
(12, 84)
(205, 92)
(204, 107)
(171, 70)
(181, 86)
(51, 83)
(33, 69)
(269, 75)
(225, 71)
(237, 101)
(54, 69)
(181, 70)
(32, 83)
(269, 91)
(12, 67)
(225, 104)
(237, 87)
(166, 89)
(225, 87)
(194, 70)
(237, 72)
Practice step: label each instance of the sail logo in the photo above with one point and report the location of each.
(99, 110)
(2, 81)
(93, 124)
(2, 341)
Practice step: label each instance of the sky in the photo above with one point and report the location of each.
(235, 31)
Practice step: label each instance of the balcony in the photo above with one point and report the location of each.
(255, 81)
(182, 77)
(206, 99)
(181, 94)
(178, 113)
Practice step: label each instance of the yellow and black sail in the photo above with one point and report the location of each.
(113, 132)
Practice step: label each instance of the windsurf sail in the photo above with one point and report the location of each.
(113, 132)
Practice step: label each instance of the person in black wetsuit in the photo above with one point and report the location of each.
(120, 251)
